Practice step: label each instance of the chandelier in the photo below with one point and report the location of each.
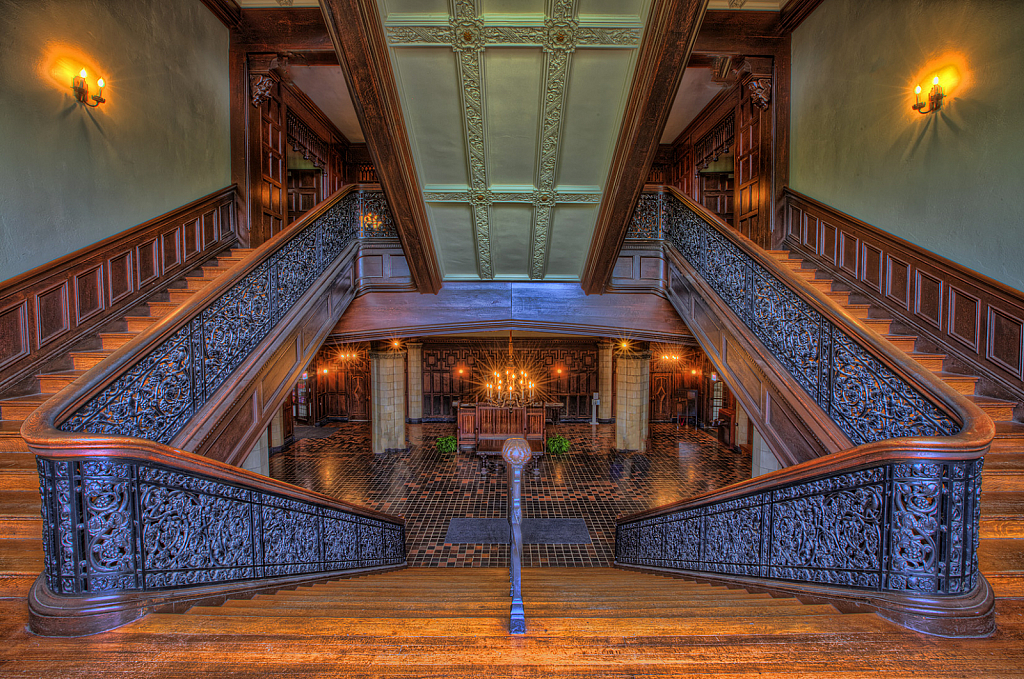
(512, 387)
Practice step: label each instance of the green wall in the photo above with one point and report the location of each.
(951, 182)
(71, 175)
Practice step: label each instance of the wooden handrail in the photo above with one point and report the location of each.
(892, 476)
(78, 466)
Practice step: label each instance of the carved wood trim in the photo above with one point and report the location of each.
(965, 314)
(668, 40)
(794, 13)
(228, 11)
(358, 36)
(86, 277)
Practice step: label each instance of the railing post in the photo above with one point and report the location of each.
(516, 453)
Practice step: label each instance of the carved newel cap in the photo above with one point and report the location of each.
(516, 450)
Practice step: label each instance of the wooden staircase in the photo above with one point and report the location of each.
(1001, 552)
(21, 552)
(452, 622)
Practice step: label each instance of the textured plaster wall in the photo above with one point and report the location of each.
(951, 182)
(70, 176)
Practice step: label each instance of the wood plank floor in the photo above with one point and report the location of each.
(424, 622)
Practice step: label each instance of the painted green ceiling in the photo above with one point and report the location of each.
(513, 108)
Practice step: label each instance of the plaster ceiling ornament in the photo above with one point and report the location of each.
(468, 34)
(761, 92)
(259, 88)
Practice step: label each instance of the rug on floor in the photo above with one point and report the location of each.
(535, 532)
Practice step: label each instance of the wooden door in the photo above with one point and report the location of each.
(662, 407)
(358, 395)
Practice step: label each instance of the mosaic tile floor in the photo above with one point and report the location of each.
(588, 482)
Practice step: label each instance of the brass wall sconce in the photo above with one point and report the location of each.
(81, 89)
(934, 98)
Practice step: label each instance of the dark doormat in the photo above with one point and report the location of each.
(535, 532)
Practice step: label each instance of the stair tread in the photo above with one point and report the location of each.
(19, 504)
(1009, 429)
(17, 462)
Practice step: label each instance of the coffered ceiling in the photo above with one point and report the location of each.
(512, 108)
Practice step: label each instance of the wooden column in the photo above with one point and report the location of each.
(632, 397)
(604, 380)
(415, 364)
(387, 385)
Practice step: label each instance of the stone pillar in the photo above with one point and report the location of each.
(604, 380)
(415, 378)
(387, 389)
(763, 460)
(632, 399)
(259, 458)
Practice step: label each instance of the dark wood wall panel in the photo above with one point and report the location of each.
(971, 317)
(45, 310)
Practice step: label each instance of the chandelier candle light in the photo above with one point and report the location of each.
(513, 388)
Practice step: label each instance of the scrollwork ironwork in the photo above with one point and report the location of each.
(154, 398)
(865, 398)
(901, 526)
(132, 526)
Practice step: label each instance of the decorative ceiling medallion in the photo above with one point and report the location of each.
(467, 35)
(560, 36)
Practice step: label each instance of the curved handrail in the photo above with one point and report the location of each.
(904, 512)
(122, 544)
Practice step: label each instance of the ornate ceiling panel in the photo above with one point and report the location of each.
(513, 107)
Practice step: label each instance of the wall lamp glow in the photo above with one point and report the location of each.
(934, 98)
(81, 88)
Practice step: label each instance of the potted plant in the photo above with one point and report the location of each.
(558, 444)
(446, 445)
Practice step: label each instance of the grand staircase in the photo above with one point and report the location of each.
(21, 552)
(1001, 552)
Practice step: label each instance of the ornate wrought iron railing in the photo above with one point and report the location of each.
(123, 525)
(890, 525)
(867, 399)
(161, 388)
(132, 524)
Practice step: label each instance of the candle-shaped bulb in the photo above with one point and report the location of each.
(917, 90)
(101, 84)
(83, 74)
(935, 80)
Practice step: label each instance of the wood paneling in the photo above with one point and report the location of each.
(45, 310)
(343, 391)
(969, 316)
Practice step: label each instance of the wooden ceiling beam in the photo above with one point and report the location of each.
(668, 40)
(299, 29)
(228, 11)
(355, 29)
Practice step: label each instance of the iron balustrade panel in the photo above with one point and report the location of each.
(160, 393)
(647, 222)
(117, 526)
(865, 398)
(906, 526)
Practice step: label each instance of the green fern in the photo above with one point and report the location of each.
(558, 444)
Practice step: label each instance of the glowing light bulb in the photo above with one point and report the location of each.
(83, 74)
(935, 80)
(917, 90)
(101, 83)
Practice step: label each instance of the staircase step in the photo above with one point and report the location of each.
(161, 309)
(140, 323)
(199, 282)
(18, 471)
(11, 441)
(180, 295)
(996, 408)
(840, 297)
(115, 340)
(51, 383)
(84, 360)
(879, 325)
(20, 407)
(963, 384)
(931, 362)
(904, 343)
(19, 515)
(21, 561)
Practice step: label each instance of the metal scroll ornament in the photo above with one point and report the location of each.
(901, 526)
(865, 398)
(157, 396)
(127, 526)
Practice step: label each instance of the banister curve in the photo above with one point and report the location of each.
(132, 524)
(889, 525)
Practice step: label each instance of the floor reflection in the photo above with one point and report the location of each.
(590, 481)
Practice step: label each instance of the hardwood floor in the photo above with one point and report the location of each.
(430, 622)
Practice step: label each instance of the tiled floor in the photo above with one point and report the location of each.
(589, 481)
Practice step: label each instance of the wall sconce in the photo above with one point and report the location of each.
(81, 89)
(934, 98)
